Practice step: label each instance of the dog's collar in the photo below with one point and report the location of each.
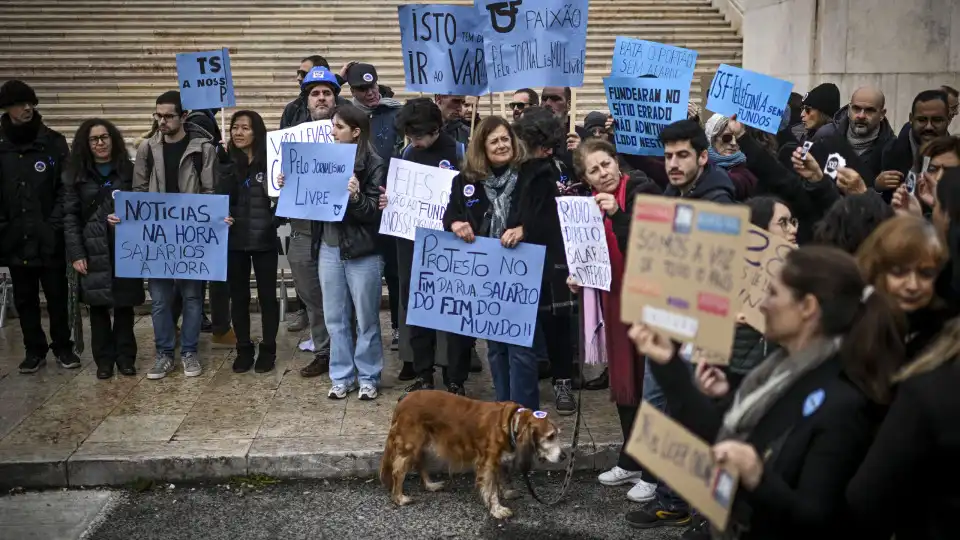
(512, 425)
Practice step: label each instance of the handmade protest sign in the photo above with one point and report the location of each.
(481, 289)
(684, 269)
(638, 57)
(171, 235)
(641, 108)
(417, 196)
(534, 42)
(443, 49)
(764, 258)
(206, 81)
(315, 180)
(320, 131)
(685, 462)
(758, 100)
(585, 241)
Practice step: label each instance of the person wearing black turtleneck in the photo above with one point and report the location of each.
(32, 158)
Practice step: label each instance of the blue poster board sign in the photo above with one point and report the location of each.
(638, 57)
(171, 236)
(443, 49)
(481, 289)
(532, 43)
(205, 80)
(315, 177)
(641, 108)
(758, 100)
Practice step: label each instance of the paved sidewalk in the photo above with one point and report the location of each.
(67, 428)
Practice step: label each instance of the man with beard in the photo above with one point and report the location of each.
(522, 99)
(557, 99)
(451, 108)
(686, 159)
(929, 119)
(32, 157)
(296, 112)
(863, 124)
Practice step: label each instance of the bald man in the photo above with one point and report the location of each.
(864, 125)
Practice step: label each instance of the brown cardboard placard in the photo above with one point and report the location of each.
(684, 270)
(685, 462)
(766, 253)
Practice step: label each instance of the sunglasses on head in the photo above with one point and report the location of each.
(518, 105)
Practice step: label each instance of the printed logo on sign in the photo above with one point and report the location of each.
(652, 212)
(718, 223)
(683, 219)
(714, 304)
(445, 164)
(813, 402)
(678, 303)
(40, 166)
(368, 77)
(468, 190)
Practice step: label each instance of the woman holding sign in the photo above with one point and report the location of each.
(99, 166)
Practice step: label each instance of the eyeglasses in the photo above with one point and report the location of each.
(518, 105)
(785, 223)
(101, 139)
(165, 117)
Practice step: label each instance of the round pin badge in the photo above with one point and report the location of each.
(259, 177)
(540, 414)
(468, 190)
(368, 77)
(445, 164)
(40, 166)
(113, 193)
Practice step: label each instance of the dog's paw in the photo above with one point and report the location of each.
(403, 500)
(511, 494)
(434, 486)
(500, 512)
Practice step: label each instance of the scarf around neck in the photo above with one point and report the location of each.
(24, 133)
(390, 103)
(726, 162)
(861, 144)
(499, 190)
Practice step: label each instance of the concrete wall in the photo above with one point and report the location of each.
(901, 46)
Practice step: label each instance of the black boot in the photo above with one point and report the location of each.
(600, 383)
(244, 360)
(126, 367)
(104, 369)
(407, 373)
(267, 358)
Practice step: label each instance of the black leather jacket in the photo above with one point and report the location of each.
(358, 230)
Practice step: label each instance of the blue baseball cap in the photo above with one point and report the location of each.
(320, 75)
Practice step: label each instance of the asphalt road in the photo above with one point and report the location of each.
(360, 509)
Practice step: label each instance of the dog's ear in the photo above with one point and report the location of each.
(526, 445)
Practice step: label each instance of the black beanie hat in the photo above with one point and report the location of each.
(14, 91)
(596, 119)
(824, 98)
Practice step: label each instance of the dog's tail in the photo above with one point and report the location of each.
(386, 462)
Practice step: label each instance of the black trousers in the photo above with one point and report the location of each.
(219, 305)
(26, 298)
(627, 414)
(388, 250)
(112, 342)
(560, 343)
(238, 277)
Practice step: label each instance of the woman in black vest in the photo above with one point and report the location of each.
(99, 166)
(241, 174)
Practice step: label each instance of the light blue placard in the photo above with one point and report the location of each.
(206, 81)
(531, 43)
(443, 49)
(315, 177)
(638, 57)
(758, 100)
(641, 108)
(481, 289)
(171, 235)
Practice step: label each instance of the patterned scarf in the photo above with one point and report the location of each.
(726, 162)
(861, 144)
(499, 190)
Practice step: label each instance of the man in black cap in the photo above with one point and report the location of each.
(595, 124)
(32, 160)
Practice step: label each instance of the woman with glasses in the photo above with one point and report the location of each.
(98, 167)
(725, 153)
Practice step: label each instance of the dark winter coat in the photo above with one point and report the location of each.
(458, 131)
(32, 160)
(88, 200)
(637, 184)
(474, 208)
(251, 208)
(714, 185)
(750, 348)
(744, 181)
(296, 112)
(871, 157)
(358, 230)
(898, 154)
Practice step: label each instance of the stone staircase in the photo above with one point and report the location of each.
(111, 58)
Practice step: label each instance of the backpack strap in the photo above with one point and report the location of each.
(149, 160)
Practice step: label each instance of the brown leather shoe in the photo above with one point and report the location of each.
(319, 366)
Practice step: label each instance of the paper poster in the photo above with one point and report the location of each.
(641, 108)
(834, 163)
(171, 235)
(638, 57)
(315, 180)
(684, 269)
(534, 43)
(758, 100)
(205, 80)
(443, 49)
(320, 131)
(585, 241)
(417, 196)
(481, 289)
(685, 462)
(766, 253)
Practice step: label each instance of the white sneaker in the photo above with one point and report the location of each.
(368, 392)
(340, 391)
(617, 477)
(642, 492)
(306, 345)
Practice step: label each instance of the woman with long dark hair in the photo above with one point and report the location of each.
(242, 174)
(99, 166)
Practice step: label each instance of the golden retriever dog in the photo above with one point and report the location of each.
(465, 433)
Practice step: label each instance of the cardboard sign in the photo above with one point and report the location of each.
(765, 256)
(585, 241)
(417, 196)
(531, 43)
(641, 108)
(481, 289)
(638, 57)
(205, 80)
(320, 131)
(171, 236)
(315, 180)
(443, 49)
(758, 100)
(685, 462)
(684, 269)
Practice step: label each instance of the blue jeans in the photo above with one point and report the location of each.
(515, 373)
(347, 286)
(162, 294)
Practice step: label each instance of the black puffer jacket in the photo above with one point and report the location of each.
(254, 228)
(358, 230)
(750, 348)
(32, 159)
(714, 185)
(88, 200)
